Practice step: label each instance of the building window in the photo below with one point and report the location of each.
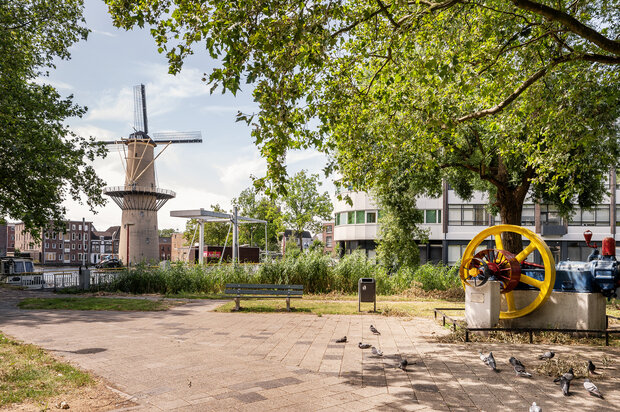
(598, 216)
(328, 241)
(351, 218)
(73, 236)
(60, 236)
(432, 216)
(79, 246)
(54, 235)
(359, 217)
(528, 217)
(467, 215)
(47, 235)
(79, 256)
(50, 256)
(79, 236)
(53, 245)
(73, 257)
(328, 229)
(73, 228)
(73, 246)
(47, 245)
(85, 236)
(549, 215)
(371, 217)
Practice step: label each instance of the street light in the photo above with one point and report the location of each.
(127, 227)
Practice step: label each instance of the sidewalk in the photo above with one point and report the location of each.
(193, 359)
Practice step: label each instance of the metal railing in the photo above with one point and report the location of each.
(457, 322)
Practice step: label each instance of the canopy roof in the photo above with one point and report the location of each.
(210, 216)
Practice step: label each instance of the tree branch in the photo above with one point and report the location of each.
(571, 24)
(387, 14)
(355, 23)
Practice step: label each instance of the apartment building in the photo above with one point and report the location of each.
(165, 248)
(71, 247)
(7, 239)
(452, 222)
(328, 237)
(104, 244)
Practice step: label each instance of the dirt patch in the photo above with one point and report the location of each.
(456, 294)
(99, 397)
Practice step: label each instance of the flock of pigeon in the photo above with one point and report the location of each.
(377, 352)
(563, 380)
(518, 367)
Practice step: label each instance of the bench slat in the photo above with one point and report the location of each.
(261, 286)
(264, 292)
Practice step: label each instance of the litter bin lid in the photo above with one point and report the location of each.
(367, 280)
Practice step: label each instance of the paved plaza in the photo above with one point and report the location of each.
(190, 358)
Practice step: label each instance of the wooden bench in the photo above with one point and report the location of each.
(243, 290)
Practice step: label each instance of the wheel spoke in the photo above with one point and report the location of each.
(525, 252)
(498, 242)
(531, 281)
(510, 302)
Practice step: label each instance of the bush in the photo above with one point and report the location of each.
(313, 269)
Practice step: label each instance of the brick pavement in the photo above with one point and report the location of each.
(190, 358)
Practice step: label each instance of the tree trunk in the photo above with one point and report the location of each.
(510, 208)
(301, 243)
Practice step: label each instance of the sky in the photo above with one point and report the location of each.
(101, 74)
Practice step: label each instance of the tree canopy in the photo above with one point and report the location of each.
(43, 161)
(304, 206)
(252, 204)
(511, 97)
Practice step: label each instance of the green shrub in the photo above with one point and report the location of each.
(437, 276)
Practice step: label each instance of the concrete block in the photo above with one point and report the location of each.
(482, 305)
(563, 310)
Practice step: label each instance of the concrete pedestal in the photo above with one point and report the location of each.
(563, 310)
(84, 277)
(482, 305)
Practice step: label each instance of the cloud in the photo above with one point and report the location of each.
(56, 84)
(113, 106)
(104, 33)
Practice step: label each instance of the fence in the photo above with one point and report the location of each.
(61, 279)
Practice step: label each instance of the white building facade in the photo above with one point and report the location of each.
(453, 222)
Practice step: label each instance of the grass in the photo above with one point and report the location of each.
(97, 303)
(27, 373)
(340, 307)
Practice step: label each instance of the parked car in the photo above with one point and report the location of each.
(109, 263)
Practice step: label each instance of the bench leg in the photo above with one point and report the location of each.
(237, 304)
(288, 304)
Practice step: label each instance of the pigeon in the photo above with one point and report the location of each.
(519, 368)
(547, 355)
(591, 367)
(364, 345)
(374, 330)
(341, 340)
(590, 387)
(376, 351)
(565, 384)
(535, 408)
(569, 376)
(489, 360)
(403, 364)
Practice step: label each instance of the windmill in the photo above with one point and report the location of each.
(140, 198)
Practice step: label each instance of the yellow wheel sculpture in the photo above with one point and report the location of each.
(477, 266)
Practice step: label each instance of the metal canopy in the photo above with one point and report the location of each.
(211, 216)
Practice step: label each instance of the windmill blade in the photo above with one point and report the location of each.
(139, 109)
(110, 142)
(177, 137)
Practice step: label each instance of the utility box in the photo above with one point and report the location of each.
(367, 292)
(84, 278)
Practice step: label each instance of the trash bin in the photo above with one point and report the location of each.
(367, 292)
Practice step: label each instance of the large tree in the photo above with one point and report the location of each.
(511, 97)
(304, 206)
(252, 204)
(42, 162)
(215, 233)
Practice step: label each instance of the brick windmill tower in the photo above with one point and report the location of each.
(140, 198)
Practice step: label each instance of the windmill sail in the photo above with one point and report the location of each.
(140, 122)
